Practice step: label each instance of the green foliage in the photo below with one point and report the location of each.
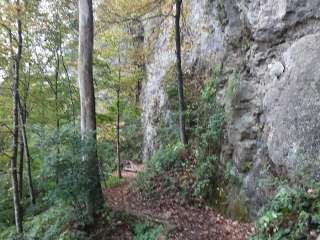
(147, 231)
(293, 213)
(132, 134)
(207, 139)
(206, 121)
(50, 224)
(48, 88)
(205, 173)
(113, 181)
(171, 88)
(6, 213)
(65, 172)
(107, 156)
(165, 159)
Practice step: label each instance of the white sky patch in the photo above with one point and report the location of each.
(2, 74)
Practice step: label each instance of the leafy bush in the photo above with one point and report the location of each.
(147, 231)
(166, 158)
(207, 135)
(205, 173)
(293, 213)
(65, 172)
(6, 208)
(107, 156)
(64, 168)
(132, 137)
(162, 161)
(51, 224)
(113, 181)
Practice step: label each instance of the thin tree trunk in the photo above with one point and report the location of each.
(87, 101)
(27, 154)
(182, 128)
(15, 98)
(56, 94)
(118, 131)
(73, 114)
(138, 93)
(21, 163)
(24, 116)
(118, 116)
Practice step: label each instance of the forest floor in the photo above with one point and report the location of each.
(180, 220)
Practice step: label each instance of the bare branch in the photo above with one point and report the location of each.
(2, 124)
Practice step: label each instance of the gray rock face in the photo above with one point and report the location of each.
(153, 98)
(292, 107)
(205, 36)
(270, 18)
(273, 46)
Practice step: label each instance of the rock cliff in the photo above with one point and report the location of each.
(270, 53)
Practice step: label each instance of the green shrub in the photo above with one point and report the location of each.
(65, 172)
(131, 143)
(6, 208)
(147, 231)
(166, 158)
(206, 140)
(161, 162)
(65, 169)
(49, 225)
(113, 181)
(205, 174)
(293, 213)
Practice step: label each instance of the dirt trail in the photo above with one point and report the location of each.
(180, 220)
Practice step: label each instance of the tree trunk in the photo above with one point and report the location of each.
(118, 131)
(56, 99)
(87, 101)
(21, 162)
(138, 88)
(182, 127)
(118, 116)
(15, 117)
(27, 154)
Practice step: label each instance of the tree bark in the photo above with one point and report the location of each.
(118, 132)
(118, 117)
(26, 153)
(21, 163)
(182, 128)
(23, 109)
(87, 101)
(56, 100)
(138, 93)
(15, 117)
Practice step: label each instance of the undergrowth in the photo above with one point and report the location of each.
(147, 231)
(193, 170)
(162, 162)
(293, 213)
(113, 181)
(53, 223)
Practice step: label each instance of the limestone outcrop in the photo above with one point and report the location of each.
(272, 47)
